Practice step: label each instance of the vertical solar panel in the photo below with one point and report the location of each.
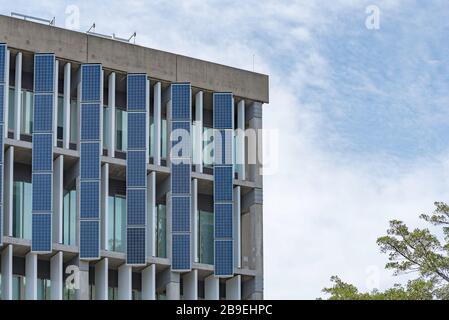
(181, 167)
(223, 115)
(3, 88)
(90, 160)
(42, 154)
(136, 169)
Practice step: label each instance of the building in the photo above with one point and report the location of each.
(95, 203)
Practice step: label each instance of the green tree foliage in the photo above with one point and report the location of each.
(417, 251)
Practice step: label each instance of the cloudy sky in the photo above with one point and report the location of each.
(363, 116)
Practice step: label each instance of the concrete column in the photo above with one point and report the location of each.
(194, 222)
(173, 288)
(82, 293)
(18, 96)
(151, 221)
(111, 113)
(149, 283)
(198, 156)
(240, 147)
(55, 104)
(6, 105)
(125, 282)
(255, 122)
(256, 262)
(67, 86)
(8, 191)
(234, 288)
(104, 206)
(168, 239)
(56, 276)
(101, 279)
(31, 276)
(58, 198)
(211, 288)
(190, 285)
(7, 254)
(157, 124)
(237, 228)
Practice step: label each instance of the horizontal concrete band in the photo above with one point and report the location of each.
(120, 56)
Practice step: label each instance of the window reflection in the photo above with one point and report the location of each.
(116, 223)
(69, 217)
(121, 118)
(22, 209)
(206, 237)
(161, 231)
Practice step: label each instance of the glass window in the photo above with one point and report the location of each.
(60, 120)
(26, 125)
(164, 139)
(208, 147)
(151, 135)
(112, 293)
(116, 223)
(206, 237)
(74, 128)
(69, 294)
(121, 118)
(18, 286)
(105, 127)
(11, 108)
(43, 289)
(92, 292)
(161, 232)
(22, 210)
(69, 217)
(136, 295)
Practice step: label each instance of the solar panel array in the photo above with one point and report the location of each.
(42, 154)
(3, 88)
(90, 161)
(181, 167)
(223, 114)
(136, 169)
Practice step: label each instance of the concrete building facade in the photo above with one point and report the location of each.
(126, 172)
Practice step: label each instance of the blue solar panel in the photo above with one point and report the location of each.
(43, 113)
(223, 220)
(137, 131)
(91, 82)
(136, 169)
(135, 246)
(89, 239)
(223, 147)
(181, 252)
(90, 121)
(41, 233)
(42, 192)
(2, 101)
(180, 178)
(3, 50)
(181, 139)
(90, 205)
(136, 202)
(44, 70)
(181, 214)
(223, 183)
(1, 145)
(224, 258)
(90, 160)
(223, 111)
(1, 186)
(137, 92)
(181, 102)
(42, 152)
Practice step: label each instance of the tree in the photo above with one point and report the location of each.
(415, 251)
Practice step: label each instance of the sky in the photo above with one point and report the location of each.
(362, 116)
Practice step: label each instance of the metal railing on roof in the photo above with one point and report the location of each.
(37, 19)
(92, 32)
